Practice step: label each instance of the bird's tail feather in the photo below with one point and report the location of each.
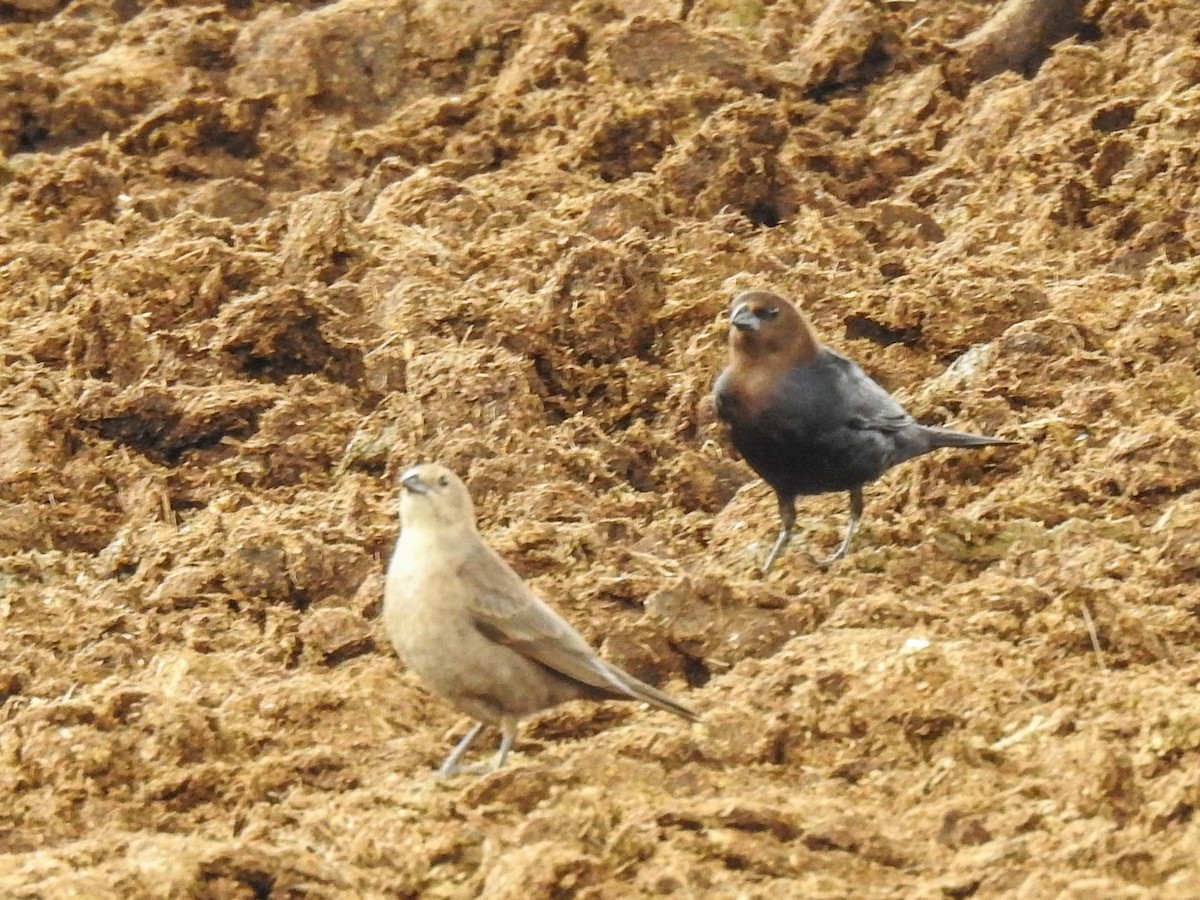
(639, 690)
(946, 437)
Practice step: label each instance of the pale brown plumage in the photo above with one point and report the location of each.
(469, 627)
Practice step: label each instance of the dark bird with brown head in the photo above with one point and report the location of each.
(809, 420)
(469, 627)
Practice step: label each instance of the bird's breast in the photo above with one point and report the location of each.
(757, 400)
(421, 580)
(740, 397)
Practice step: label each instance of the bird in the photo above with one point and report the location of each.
(807, 419)
(466, 624)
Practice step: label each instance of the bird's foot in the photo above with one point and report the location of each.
(480, 768)
(780, 542)
(827, 561)
(843, 547)
(839, 553)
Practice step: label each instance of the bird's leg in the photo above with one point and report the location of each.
(508, 734)
(787, 519)
(856, 511)
(450, 765)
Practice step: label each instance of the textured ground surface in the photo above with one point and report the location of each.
(256, 258)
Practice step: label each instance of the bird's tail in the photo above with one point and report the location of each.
(946, 437)
(639, 690)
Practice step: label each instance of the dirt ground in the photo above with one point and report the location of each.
(257, 258)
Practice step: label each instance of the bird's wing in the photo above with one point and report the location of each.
(868, 406)
(507, 612)
(874, 421)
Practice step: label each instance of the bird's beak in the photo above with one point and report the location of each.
(744, 319)
(412, 483)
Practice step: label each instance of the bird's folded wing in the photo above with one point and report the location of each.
(877, 422)
(866, 406)
(507, 612)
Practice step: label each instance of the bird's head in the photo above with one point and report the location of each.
(765, 325)
(431, 496)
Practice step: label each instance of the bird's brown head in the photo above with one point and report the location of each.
(431, 496)
(765, 327)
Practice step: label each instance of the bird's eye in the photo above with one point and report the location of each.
(443, 481)
(769, 312)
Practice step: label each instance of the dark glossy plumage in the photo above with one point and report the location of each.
(809, 420)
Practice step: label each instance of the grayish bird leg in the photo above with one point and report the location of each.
(856, 511)
(507, 737)
(787, 518)
(450, 765)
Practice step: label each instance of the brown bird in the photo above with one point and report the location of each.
(809, 420)
(469, 627)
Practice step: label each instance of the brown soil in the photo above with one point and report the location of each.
(257, 258)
